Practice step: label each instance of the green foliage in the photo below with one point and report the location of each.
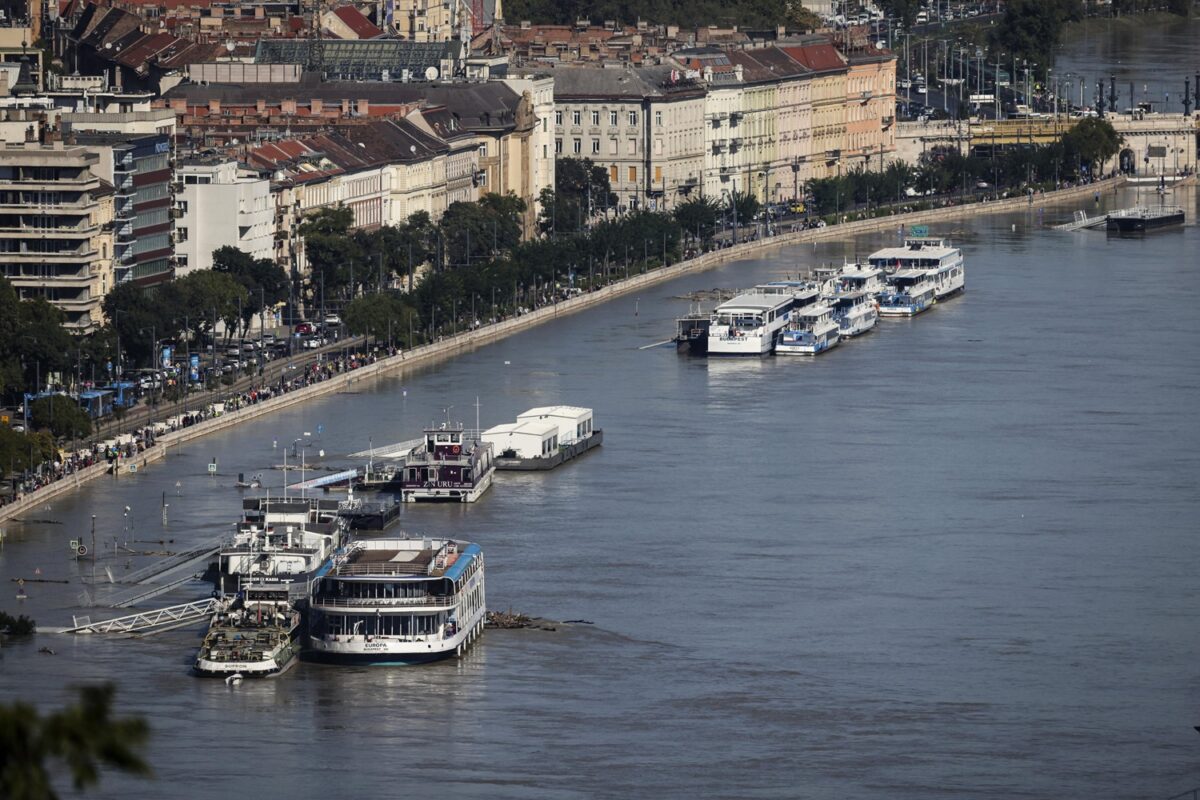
(265, 282)
(84, 736)
(1091, 141)
(20, 452)
(16, 626)
(330, 249)
(904, 10)
(32, 342)
(746, 205)
(60, 415)
(581, 191)
(698, 216)
(1031, 28)
(380, 314)
(478, 231)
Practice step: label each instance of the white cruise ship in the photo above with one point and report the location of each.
(397, 601)
(750, 323)
(811, 331)
(910, 291)
(943, 263)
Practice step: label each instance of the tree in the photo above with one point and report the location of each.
(330, 249)
(379, 314)
(60, 415)
(698, 217)
(86, 736)
(20, 452)
(581, 190)
(265, 282)
(475, 232)
(1092, 141)
(746, 205)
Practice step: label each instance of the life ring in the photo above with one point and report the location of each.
(456, 449)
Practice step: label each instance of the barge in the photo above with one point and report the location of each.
(544, 438)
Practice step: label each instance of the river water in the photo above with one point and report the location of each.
(953, 558)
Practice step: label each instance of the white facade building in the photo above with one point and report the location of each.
(217, 207)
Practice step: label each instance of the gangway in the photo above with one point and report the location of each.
(345, 476)
(161, 619)
(396, 450)
(1081, 221)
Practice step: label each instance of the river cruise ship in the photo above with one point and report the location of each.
(282, 539)
(855, 312)
(750, 323)
(254, 637)
(811, 331)
(397, 601)
(451, 465)
(909, 293)
(942, 262)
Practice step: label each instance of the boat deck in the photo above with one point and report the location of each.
(387, 562)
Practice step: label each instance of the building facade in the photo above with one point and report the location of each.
(56, 228)
(218, 207)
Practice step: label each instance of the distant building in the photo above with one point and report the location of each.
(139, 168)
(644, 126)
(217, 206)
(56, 228)
(347, 22)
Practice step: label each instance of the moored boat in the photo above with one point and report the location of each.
(942, 263)
(810, 331)
(282, 539)
(255, 636)
(450, 466)
(909, 293)
(1143, 218)
(398, 601)
(543, 438)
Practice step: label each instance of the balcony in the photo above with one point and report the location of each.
(68, 232)
(81, 184)
(33, 205)
(80, 256)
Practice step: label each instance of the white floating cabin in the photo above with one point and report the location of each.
(543, 438)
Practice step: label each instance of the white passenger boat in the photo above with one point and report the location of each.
(256, 636)
(851, 294)
(280, 539)
(749, 324)
(397, 601)
(810, 331)
(937, 257)
(909, 293)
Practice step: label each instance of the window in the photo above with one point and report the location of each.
(543, 151)
(658, 118)
(575, 117)
(632, 147)
(658, 175)
(658, 146)
(576, 146)
(633, 118)
(595, 147)
(612, 147)
(558, 147)
(544, 124)
(595, 117)
(612, 118)
(633, 174)
(612, 174)
(558, 118)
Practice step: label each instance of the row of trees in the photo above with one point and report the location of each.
(1080, 153)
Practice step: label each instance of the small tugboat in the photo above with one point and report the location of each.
(1140, 219)
(543, 438)
(450, 466)
(397, 601)
(254, 637)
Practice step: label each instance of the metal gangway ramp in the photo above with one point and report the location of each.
(1081, 221)
(161, 619)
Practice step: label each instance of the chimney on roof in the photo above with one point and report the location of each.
(316, 106)
(345, 108)
(364, 107)
(260, 106)
(288, 107)
(214, 107)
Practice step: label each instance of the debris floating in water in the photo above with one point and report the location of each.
(511, 620)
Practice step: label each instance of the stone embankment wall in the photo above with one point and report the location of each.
(453, 345)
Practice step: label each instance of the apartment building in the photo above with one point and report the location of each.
(139, 169)
(644, 125)
(56, 228)
(828, 94)
(218, 206)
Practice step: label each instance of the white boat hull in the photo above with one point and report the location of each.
(749, 345)
(392, 650)
(806, 348)
(435, 494)
(953, 285)
(905, 310)
(858, 324)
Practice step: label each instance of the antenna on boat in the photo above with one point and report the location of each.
(446, 411)
(477, 428)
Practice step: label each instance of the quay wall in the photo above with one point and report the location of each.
(453, 345)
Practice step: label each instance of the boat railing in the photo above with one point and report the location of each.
(381, 568)
(268, 550)
(360, 602)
